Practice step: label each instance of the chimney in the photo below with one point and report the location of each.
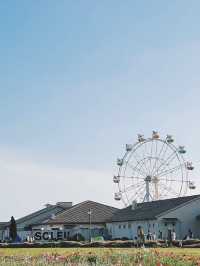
(47, 205)
(65, 204)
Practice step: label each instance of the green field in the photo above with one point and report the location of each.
(99, 256)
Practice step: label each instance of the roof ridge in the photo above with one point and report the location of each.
(162, 200)
(152, 209)
(180, 205)
(72, 208)
(102, 204)
(36, 213)
(80, 204)
(79, 213)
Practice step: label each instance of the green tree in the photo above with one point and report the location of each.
(13, 229)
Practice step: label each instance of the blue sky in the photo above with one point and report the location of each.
(78, 80)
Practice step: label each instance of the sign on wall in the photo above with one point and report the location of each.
(50, 235)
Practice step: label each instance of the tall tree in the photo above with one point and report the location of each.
(13, 229)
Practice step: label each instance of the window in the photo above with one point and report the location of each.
(119, 226)
(27, 228)
(129, 226)
(124, 226)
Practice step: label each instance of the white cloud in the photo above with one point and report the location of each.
(27, 185)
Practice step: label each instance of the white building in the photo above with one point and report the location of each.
(84, 220)
(64, 221)
(157, 218)
(24, 228)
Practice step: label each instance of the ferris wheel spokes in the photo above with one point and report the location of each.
(151, 152)
(168, 189)
(139, 194)
(132, 177)
(159, 179)
(169, 171)
(163, 154)
(160, 152)
(166, 162)
(138, 170)
(156, 156)
(129, 188)
(138, 161)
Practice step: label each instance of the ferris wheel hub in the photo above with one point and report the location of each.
(148, 179)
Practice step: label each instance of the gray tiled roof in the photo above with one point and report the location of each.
(149, 210)
(78, 214)
(41, 215)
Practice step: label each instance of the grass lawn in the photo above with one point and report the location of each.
(182, 251)
(66, 251)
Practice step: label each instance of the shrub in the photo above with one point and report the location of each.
(77, 237)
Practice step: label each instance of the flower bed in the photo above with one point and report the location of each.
(139, 257)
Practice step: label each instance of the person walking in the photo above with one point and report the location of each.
(190, 234)
(169, 237)
(141, 236)
(160, 234)
(173, 235)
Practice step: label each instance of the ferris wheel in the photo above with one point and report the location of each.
(152, 169)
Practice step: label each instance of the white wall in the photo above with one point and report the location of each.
(129, 229)
(187, 217)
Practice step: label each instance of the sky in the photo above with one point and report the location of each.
(80, 79)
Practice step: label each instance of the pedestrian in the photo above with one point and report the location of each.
(190, 234)
(148, 235)
(141, 236)
(160, 234)
(173, 235)
(154, 236)
(169, 237)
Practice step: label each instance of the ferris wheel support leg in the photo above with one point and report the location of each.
(147, 196)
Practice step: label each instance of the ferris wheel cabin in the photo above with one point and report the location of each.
(189, 166)
(141, 138)
(192, 185)
(181, 149)
(116, 179)
(119, 162)
(118, 196)
(129, 147)
(169, 139)
(155, 135)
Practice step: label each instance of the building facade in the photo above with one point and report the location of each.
(157, 218)
(85, 220)
(24, 224)
(64, 221)
(89, 219)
